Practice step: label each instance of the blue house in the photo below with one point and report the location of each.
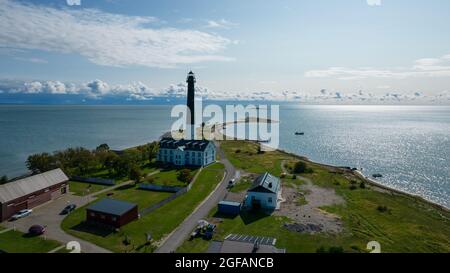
(186, 152)
(265, 193)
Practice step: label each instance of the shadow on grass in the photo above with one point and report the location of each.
(225, 216)
(126, 187)
(92, 228)
(251, 216)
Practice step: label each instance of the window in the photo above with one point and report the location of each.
(92, 214)
(102, 217)
(114, 219)
(270, 199)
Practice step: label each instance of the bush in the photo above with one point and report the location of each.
(362, 185)
(382, 208)
(333, 249)
(299, 167)
(353, 187)
(294, 176)
(185, 175)
(3, 180)
(238, 151)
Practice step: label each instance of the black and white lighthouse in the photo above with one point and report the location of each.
(190, 122)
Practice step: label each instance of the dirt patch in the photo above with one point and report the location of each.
(309, 217)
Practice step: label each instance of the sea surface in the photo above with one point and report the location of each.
(408, 145)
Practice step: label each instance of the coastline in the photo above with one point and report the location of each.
(369, 181)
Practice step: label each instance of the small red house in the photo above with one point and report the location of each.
(111, 212)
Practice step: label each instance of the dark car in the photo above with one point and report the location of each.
(68, 209)
(210, 231)
(36, 230)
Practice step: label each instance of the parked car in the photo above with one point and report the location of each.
(210, 231)
(21, 214)
(68, 209)
(231, 183)
(196, 233)
(36, 230)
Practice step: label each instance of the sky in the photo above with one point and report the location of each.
(311, 51)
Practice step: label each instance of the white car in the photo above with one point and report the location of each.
(21, 214)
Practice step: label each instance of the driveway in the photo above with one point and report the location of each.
(177, 237)
(48, 215)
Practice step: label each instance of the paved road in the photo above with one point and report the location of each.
(48, 215)
(177, 237)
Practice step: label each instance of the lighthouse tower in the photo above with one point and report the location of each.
(190, 122)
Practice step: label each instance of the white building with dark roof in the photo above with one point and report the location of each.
(265, 193)
(186, 152)
(31, 191)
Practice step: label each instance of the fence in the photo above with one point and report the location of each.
(153, 187)
(99, 181)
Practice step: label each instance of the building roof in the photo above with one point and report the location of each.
(28, 185)
(230, 203)
(266, 183)
(188, 145)
(112, 206)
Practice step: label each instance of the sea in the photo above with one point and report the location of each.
(408, 145)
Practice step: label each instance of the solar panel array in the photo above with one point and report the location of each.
(251, 239)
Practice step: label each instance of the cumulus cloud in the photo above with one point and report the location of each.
(427, 67)
(98, 89)
(105, 38)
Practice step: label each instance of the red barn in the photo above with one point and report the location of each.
(111, 212)
(31, 191)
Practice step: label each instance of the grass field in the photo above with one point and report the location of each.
(131, 193)
(170, 178)
(407, 225)
(18, 242)
(158, 223)
(82, 189)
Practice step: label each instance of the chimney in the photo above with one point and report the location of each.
(270, 185)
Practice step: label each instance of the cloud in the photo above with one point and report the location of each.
(98, 89)
(426, 68)
(373, 2)
(73, 2)
(222, 23)
(105, 38)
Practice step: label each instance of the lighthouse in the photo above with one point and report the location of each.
(190, 122)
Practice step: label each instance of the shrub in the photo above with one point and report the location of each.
(299, 167)
(238, 151)
(185, 175)
(3, 180)
(294, 176)
(382, 208)
(353, 187)
(362, 185)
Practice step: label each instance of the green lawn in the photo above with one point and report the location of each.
(244, 155)
(243, 185)
(82, 189)
(159, 223)
(409, 224)
(131, 193)
(18, 242)
(170, 178)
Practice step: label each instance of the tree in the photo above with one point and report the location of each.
(135, 174)
(185, 175)
(300, 167)
(152, 150)
(122, 166)
(3, 180)
(102, 147)
(39, 163)
(109, 160)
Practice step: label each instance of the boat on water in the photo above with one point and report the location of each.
(377, 175)
(299, 133)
